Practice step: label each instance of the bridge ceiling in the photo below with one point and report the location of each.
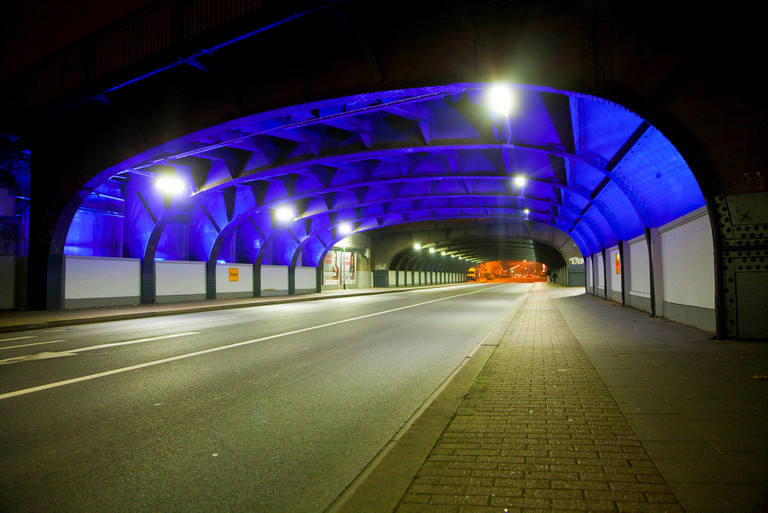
(580, 164)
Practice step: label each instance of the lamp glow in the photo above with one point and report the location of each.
(520, 181)
(170, 185)
(417, 246)
(431, 250)
(284, 214)
(500, 99)
(345, 228)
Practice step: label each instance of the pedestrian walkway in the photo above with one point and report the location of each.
(586, 405)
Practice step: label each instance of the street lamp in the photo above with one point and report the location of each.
(500, 99)
(169, 184)
(501, 102)
(284, 214)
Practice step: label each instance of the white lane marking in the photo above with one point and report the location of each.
(37, 356)
(73, 352)
(174, 325)
(121, 370)
(137, 341)
(16, 338)
(32, 344)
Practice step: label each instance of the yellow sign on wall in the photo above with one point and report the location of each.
(234, 274)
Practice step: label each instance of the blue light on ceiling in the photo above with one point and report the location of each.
(595, 171)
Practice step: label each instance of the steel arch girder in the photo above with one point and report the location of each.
(373, 155)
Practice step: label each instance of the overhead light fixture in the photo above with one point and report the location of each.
(431, 250)
(345, 228)
(500, 99)
(417, 246)
(520, 180)
(284, 214)
(169, 184)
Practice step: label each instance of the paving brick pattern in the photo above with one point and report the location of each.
(538, 431)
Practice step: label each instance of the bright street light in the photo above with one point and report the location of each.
(284, 214)
(170, 185)
(500, 99)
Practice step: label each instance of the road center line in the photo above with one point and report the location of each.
(121, 370)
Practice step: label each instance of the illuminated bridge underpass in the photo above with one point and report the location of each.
(349, 144)
(260, 203)
(197, 155)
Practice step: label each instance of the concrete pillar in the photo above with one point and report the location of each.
(655, 271)
(210, 279)
(624, 256)
(257, 279)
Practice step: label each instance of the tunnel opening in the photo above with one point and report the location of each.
(513, 271)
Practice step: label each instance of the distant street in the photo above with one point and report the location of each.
(271, 408)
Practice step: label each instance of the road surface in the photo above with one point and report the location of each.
(271, 408)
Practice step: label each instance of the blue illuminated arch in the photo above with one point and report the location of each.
(596, 171)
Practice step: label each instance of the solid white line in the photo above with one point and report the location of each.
(121, 370)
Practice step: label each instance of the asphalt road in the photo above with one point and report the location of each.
(271, 408)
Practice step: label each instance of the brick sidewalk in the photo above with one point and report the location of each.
(538, 430)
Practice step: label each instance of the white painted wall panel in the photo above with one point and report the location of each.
(274, 278)
(640, 274)
(175, 277)
(101, 277)
(306, 278)
(364, 279)
(244, 281)
(688, 263)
